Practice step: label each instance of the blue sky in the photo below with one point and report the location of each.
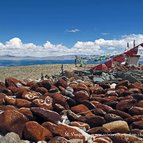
(66, 22)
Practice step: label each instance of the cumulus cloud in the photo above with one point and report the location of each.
(16, 47)
(88, 48)
(73, 30)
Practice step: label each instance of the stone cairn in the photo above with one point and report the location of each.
(71, 111)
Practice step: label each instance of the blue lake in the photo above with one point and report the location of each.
(25, 62)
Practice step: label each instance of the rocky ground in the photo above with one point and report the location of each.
(71, 110)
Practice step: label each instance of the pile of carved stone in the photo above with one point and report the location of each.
(71, 110)
(126, 68)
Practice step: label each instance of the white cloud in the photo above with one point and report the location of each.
(73, 30)
(88, 48)
(14, 43)
(16, 47)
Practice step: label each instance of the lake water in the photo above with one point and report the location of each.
(25, 62)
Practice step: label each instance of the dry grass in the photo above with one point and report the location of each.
(34, 72)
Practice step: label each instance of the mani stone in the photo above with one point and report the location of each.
(117, 126)
(74, 134)
(138, 124)
(43, 103)
(2, 97)
(35, 132)
(46, 114)
(27, 112)
(12, 82)
(126, 138)
(100, 139)
(22, 103)
(94, 120)
(12, 121)
(112, 117)
(10, 138)
(81, 96)
(136, 110)
(69, 132)
(81, 109)
(59, 139)
(60, 99)
(98, 130)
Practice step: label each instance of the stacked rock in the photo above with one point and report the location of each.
(71, 110)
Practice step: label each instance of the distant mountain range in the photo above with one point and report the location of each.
(63, 57)
(9, 57)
